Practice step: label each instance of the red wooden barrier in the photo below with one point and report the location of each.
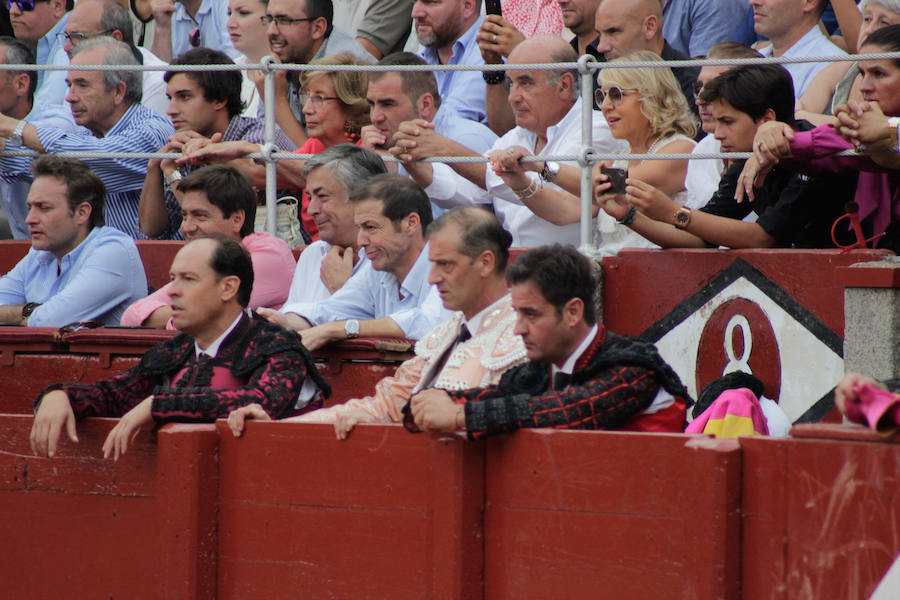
(821, 516)
(611, 515)
(78, 526)
(383, 515)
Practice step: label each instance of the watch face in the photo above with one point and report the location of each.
(682, 218)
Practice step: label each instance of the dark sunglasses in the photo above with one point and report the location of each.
(24, 5)
(195, 38)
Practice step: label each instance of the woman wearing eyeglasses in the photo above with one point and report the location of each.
(644, 107)
(335, 107)
(249, 37)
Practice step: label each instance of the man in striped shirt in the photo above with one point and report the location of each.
(106, 105)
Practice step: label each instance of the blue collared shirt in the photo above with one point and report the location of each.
(13, 194)
(51, 85)
(462, 91)
(94, 282)
(369, 294)
(467, 132)
(693, 26)
(139, 130)
(211, 18)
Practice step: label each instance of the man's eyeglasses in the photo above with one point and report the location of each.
(315, 100)
(76, 37)
(24, 5)
(615, 94)
(282, 21)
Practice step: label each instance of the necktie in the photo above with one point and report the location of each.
(561, 380)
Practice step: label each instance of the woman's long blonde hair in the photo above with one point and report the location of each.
(662, 101)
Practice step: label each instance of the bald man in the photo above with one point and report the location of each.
(625, 26)
(547, 110)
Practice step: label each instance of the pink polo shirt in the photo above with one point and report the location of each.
(271, 260)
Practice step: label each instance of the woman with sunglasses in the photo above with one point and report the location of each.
(335, 108)
(644, 107)
(249, 37)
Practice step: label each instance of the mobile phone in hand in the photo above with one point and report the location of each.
(492, 7)
(616, 178)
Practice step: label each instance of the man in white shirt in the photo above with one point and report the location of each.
(325, 265)
(547, 109)
(390, 296)
(793, 28)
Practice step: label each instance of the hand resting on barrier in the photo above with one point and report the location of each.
(54, 413)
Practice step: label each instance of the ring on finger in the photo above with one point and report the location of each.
(494, 38)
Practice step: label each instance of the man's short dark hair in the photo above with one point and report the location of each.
(480, 232)
(732, 50)
(415, 83)
(17, 52)
(321, 8)
(351, 165)
(217, 86)
(560, 273)
(400, 196)
(754, 89)
(225, 187)
(231, 258)
(82, 184)
(117, 17)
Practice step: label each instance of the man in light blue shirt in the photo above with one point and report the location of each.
(447, 29)
(188, 24)
(692, 27)
(389, 297)
(40, 28)
(77, 269)
(17, 102)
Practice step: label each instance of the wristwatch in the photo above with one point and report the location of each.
(351, 328)
(29, 308)
(682, 218)
(16, 137)
(175, 176)
(550, 171)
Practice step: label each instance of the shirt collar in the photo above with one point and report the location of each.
(569, 366)
(123, 122)
(412, 282)
(474, 324)
(213, 349)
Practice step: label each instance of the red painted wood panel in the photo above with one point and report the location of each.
(821, 517)
(611, 515)
(384, 514)
(78, 526)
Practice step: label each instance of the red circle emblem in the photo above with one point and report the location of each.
(739, 337)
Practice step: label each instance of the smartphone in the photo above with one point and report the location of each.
(492, 7)
(616, 178)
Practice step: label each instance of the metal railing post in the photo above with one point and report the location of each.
(269, 147)
(587, 104)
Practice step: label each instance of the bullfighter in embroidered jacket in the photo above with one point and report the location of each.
(223, 358)
(578, 376)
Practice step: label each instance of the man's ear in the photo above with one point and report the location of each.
(119, 92)
(573, 312)
(769, 115)
(319, 27)
(229, 286)
(425, 108)
(566, 83)
(469, 7)
(82, 213)
(650, 27)
(486, 263)
(58, 8)
(412, 223)
(20, 84)
(237, 219)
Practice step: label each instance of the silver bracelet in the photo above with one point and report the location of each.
(533, 188)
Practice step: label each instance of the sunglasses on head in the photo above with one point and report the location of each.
(24, 5)
(615, 94)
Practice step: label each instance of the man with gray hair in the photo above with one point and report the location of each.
(547, 109)
(106, 104)
(93, 18)
(327, 264)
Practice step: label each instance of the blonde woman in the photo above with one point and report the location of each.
(644, 107)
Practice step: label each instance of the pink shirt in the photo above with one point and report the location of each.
(272, 259)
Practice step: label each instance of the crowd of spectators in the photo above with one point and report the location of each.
(363, 204)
